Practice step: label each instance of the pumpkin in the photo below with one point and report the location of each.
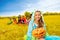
(38, 32)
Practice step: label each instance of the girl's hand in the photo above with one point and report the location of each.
(41, 39)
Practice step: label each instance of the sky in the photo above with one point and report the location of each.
(16, 7)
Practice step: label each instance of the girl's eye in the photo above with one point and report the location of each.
(35, 15)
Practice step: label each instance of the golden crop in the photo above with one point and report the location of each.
(16, 32)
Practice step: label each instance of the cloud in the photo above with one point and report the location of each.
(20, 6)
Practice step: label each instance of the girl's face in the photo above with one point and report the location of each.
(37, 16)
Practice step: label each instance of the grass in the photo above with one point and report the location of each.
(16, 32)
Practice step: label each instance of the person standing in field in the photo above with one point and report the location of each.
(23, 19)
(35, 22)
(28, 19)
(19, 19)
(14, 21)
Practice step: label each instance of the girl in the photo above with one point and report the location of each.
(36, 22)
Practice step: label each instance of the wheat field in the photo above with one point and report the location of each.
(17, 31)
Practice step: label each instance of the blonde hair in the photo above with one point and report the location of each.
(40, 22)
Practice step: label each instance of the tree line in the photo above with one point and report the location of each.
(28, 14)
